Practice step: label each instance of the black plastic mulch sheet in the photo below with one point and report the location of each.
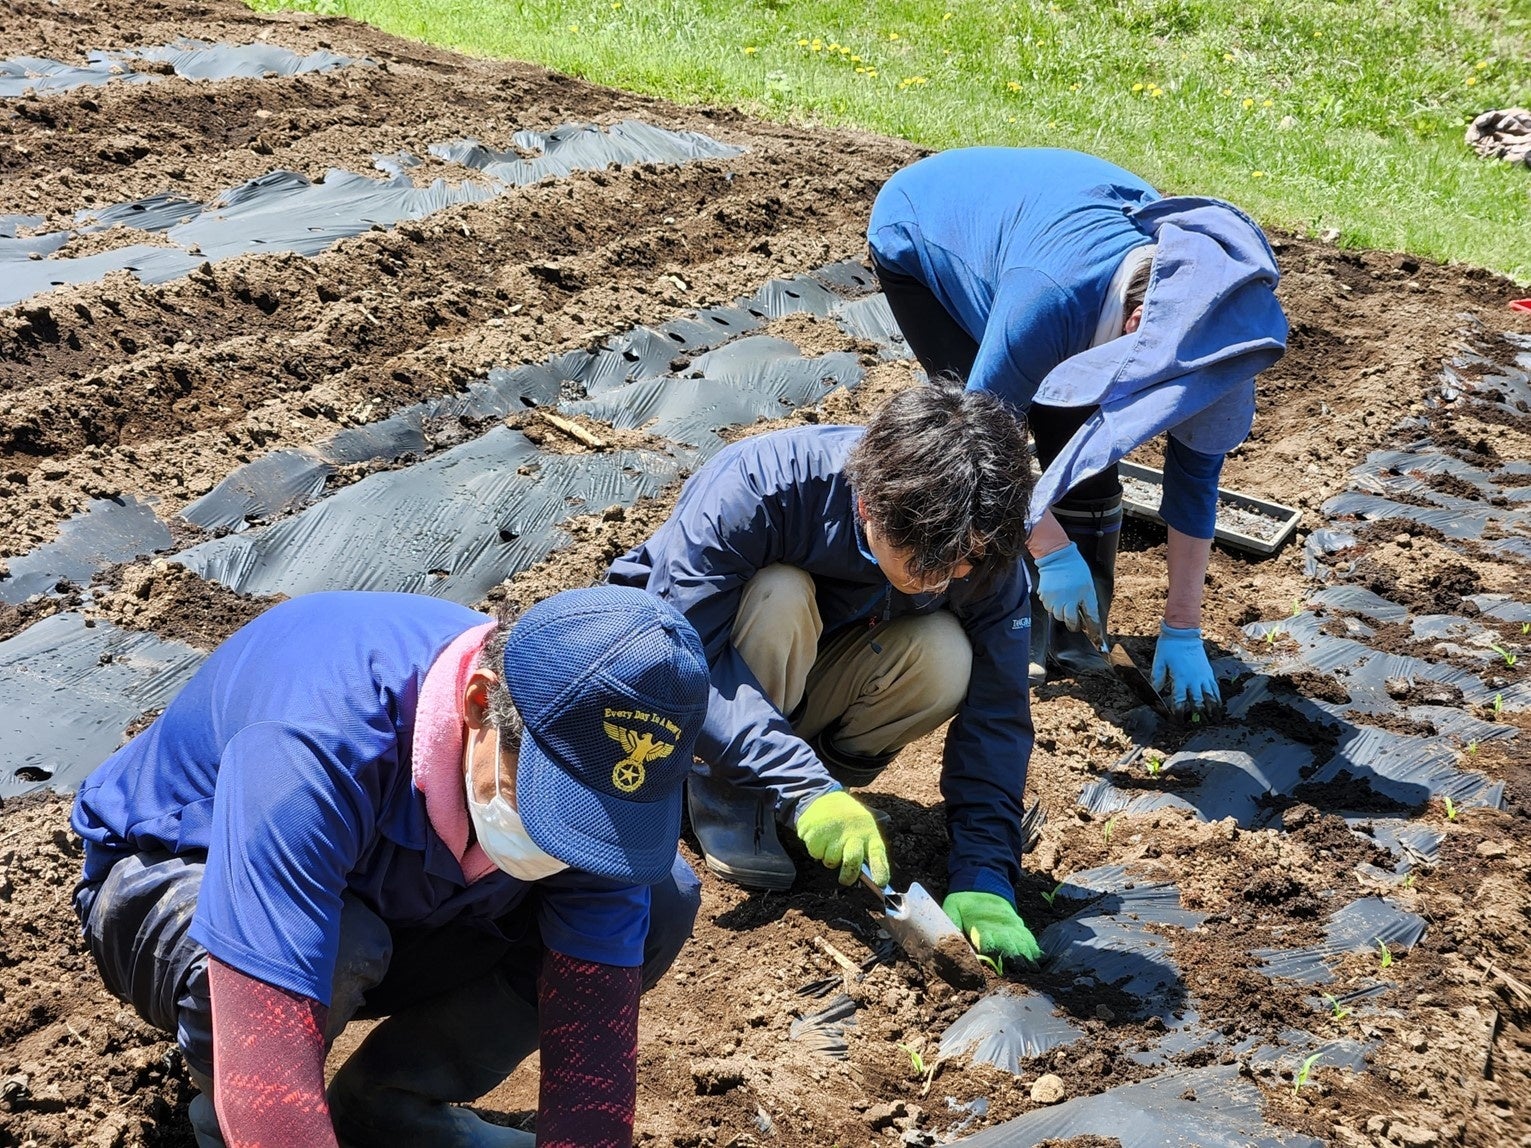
(1207, 1107)
(189, 59)
(68, 689)
(478, 507)
(285, 211)
(1363, 926)
(109, 530)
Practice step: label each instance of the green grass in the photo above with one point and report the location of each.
(1311, 114)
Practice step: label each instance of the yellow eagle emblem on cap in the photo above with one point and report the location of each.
(627, 774)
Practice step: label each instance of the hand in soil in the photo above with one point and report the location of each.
(993, 925)
(839, 831)
(1183, 675)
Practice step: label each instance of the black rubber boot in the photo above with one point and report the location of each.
(851, 770)
(736, 829)
(1041, 635)
(400, 1085)
(1095, 526)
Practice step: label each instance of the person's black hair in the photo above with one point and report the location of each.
(1137, 288)
(945, 475)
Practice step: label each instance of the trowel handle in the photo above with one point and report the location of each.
(883, 891)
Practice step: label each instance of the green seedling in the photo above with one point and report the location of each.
(1270, 635)
(1296, 606)
(1509, 658)
(1106, 830)
(1154, 764)
(995, 964)
(1053, 896)
(1472, 748)
(1525, 627)
(1305, 1072)
(1386, 956)
(915, 1059)
(1451, 806)
(1337, 1010)
(1498, 704)
(1408, 882)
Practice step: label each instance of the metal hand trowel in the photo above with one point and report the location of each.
(924, 931)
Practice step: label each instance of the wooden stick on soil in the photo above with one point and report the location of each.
(573, 430)
(840, 958)
(1515, 986)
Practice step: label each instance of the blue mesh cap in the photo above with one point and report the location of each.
(612, 686)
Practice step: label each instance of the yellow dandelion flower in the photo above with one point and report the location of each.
(574, 27)
(1137, 87)
(1227, 57)
(1267, 103)
(871, 71)
(751, 50)
(859, 71)
(1011, 120)
(945, 18)
(1471, 80)
(616, 5)
(893, 36)
(845, 51)
(1481, 64)
(1317, 35)
(1073, 87)
(815, 47)
(857, 60)
(1227, 91)
(833, 47)
(1014, 86)
(802, 43)
(1257, 175)
(1248, 103)
(1156, 92)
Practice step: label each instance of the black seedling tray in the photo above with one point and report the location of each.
(1243, 521)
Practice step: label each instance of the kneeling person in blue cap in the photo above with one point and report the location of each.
(856, 588)
(388, 805)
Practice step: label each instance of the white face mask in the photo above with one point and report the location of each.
(501, 833)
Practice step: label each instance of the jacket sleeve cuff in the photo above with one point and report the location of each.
(971, 879)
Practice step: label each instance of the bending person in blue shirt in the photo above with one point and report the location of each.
(389, 805)
(855, 588)
(1107, 315)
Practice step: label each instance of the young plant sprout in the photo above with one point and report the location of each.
(1472, 748)
(1296, 606)
(1106, 830)
(1304, 1072)
(1154, 764)
(1386, 956)
(1451, 806)
(1337, 1010)
(915, 1059)
(1408, 882)
(1053, 896)
(1498, 704)
(1509, 658)
(1525, 627)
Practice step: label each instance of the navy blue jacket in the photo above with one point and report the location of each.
(784, 498)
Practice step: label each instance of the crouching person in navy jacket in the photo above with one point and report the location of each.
(389, 805)
(855, 588)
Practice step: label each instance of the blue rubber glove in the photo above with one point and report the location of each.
(1067, 590)
(1183, 675)
(992, 925)
(841, 832)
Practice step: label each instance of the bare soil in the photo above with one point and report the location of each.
(160, 391)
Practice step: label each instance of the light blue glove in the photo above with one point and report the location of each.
(1067, 590)
(1183, 675)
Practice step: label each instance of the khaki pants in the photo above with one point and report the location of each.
(879, 688)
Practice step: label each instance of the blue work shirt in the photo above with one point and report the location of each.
(286, 760)
(784, 497)
(1020, 245)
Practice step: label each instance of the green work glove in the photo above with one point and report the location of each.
(998, 927)
(838, 830)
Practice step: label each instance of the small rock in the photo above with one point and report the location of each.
(1416, 1040)
(1403, 541)
(1492, 849)
(1104, 1012)
(1412, 1136)
(1048, 1089)
(1329, 234)
(1377, 1125)
(883, 1115)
